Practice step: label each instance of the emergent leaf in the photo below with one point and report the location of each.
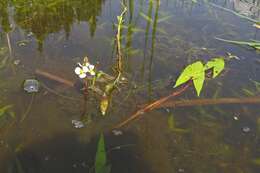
(190, 72)
(101, 161)
(217, 64)
(198, 81)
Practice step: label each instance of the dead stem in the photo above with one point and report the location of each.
(9, 45)
(118, 47)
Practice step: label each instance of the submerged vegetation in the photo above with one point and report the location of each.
(254, 44)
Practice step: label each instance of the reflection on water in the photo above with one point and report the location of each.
(42, 18)
(248, 8)
(159, 38)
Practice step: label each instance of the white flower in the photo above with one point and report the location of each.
(83, 70)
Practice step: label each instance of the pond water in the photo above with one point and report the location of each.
(45, 39)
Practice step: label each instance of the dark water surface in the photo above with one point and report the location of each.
(159, 38)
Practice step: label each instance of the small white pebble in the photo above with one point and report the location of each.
(17, 62)
(180, 170)
(117, 132)
(235, 118)
(246, 129)
(77, 124)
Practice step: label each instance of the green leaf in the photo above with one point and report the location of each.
(189, 72)
(5, 109)
(217, 64)
(198, 81)
(101, 161)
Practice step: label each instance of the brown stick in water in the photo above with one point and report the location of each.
(201, 102)
(54, 77)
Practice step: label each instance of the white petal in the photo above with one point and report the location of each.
(77, 70)
(85, 69)
(80, 64)
(91, 67)
(82, 75)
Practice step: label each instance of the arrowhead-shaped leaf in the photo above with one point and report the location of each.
(217, 64)
(101, 161)
(189, 73)
(198, 81)
(195, 72)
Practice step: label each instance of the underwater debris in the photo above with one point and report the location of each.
(31, 85)
(77, 124)
(117, 132)
(17, 62)
(246, 129)
(23, 43)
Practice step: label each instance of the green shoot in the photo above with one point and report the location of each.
(101, 160)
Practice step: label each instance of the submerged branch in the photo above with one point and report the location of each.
(153, 105)
(118, 40)
(202, 102)
(9, 45)
(54, 77)
(118, 46)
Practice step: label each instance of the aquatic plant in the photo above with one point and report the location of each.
(101, 165)
(5, 110)
(90, 76)
(196, 72)
(84, 69)
(6, 113)
(3, 57)
(254, 43)
(109, 88)
(192, 73)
